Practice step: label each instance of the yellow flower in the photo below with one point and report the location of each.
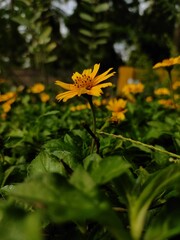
(168, 62)
(118, 116)
(133, 88)
(79, 107)
(149, 99)
(7, 96)
(162, 91)
(176, 85)
(117, 106)
(37, 88)
(3, 115)
(44, 97)
(85, 83)
(6, 107)
(168, 103)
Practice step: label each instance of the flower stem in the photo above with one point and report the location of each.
(142, 144)
(170, 86)
(89, 98)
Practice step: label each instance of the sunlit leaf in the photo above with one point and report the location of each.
(87, 17)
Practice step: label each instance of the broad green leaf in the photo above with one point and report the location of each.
(83, 181)
(109, 168)
(154, 186)
(64, 152)
(87, 17)
(166, 222)
(62, 202)
(92, 161)
(15, 224)
(44, 163)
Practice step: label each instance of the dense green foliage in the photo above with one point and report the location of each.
(61, 177)
(32, 39)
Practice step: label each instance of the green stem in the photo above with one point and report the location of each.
(142, 144)
(89, 98)
(170, 86)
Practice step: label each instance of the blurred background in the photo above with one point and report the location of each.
(52, 37)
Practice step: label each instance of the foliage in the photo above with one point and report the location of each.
(34, 40)
(53, 186)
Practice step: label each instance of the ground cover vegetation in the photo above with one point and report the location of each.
(78, 161)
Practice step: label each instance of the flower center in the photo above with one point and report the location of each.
(83, 81)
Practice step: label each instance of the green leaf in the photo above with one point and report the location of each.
(15, 224)
(101, 41)
(139, 202)
(102, 25)
(86, 32)
(51, 59)
(22, 21)
(27, 2)
(101, 7)
(51, 46)
(7, 173)
(83, 181)
(63, 151)
(160, 158)
(92, 161)
(45, 35)
(166, 223)
(53, 112)
(44, 163)
(109, 168)
(86, 17)
(62, 202)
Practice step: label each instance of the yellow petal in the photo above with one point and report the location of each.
(96, 90)
(95, 70)
(103, 76)
(87, 72)
(66, 86)
(66, 95)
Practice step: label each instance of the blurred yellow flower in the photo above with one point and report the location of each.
(167, 103)
(176, 85)
(167, 62)
(133, 88)
(6, 107)
(3, 115)
(117, 107)
(162, 91)
(7, 96)
(79, 107)
(149, 99)
(85, 83)
(37, 88)
(44, 97)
